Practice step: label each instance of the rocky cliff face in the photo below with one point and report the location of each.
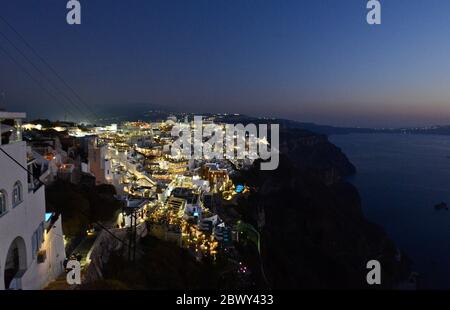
(315, 155)
(314, 234)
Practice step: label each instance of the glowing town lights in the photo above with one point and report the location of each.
(32, 126)
(125, 153)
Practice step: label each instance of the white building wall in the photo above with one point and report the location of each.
(41, 274)
(15, 222)
(22, 220)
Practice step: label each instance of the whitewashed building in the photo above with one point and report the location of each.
(31, 241)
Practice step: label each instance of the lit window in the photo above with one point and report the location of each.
(2, 202)
(17, 194)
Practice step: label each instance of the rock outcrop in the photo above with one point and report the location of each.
(314, 233)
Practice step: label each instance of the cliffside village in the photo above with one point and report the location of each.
(172, 198)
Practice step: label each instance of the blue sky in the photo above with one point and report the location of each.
(314, 60)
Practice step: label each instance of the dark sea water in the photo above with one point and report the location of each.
(400, 179)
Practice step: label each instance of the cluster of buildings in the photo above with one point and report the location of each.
(31, 244)
(178, 199)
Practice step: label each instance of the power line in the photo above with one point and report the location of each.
(33, 78)
(42, 183)
(49, 66)
(42, 73)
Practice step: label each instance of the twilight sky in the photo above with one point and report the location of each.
(307, 60)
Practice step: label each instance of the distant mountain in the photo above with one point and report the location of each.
(325, 129)
(153, 112)
(132, 112)
(290, 124)
(433, 130)
(333, 130)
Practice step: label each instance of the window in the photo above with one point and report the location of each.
(37, 239)
(41, 233)
(34, 244)
(2, 202)
(17, 194)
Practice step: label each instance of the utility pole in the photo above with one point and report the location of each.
(132, 233)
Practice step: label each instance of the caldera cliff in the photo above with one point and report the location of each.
(313, 231)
